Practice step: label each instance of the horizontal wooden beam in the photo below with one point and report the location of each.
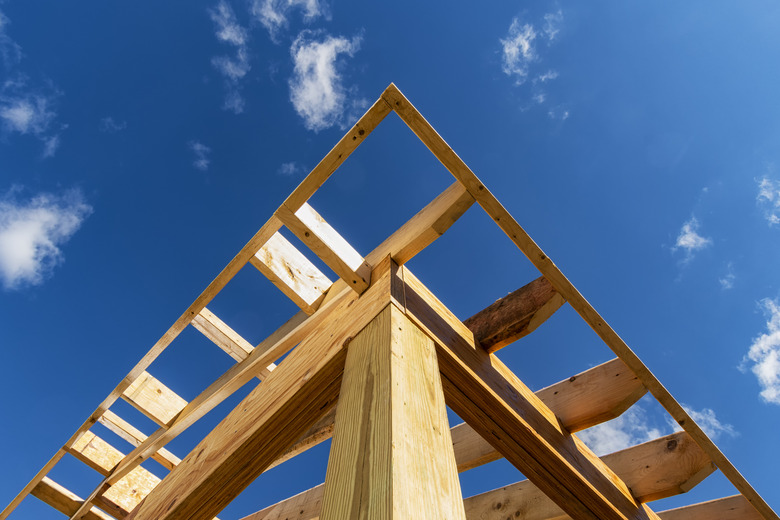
(154, 399)
(729, 508)
(222, 335)
(515, 315)
(63, 500)
(131, 434)
(292, 273)
(328, 245)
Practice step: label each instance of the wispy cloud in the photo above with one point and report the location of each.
(727, 280)
(32, 232)
(232, 68)
(111, 126)
(274, 14)
(201, 152)
(706, 419)
(689, 240)
(317, 88)
(552, 24)
(9, 49)
(518, 50)
(769, 199)
(291, 169)
(763, 357)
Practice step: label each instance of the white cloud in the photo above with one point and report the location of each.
(764, 354)
(32, 232)
(201, 152)
(708, 422)
(552, 24)
(9, 49)
(518, 50)
(558, 112)
(29, 113)
(627, 430)
(290, 169)
(547, 76)
(689, 240)
(110, 126)
(727, 281)
(769, 199)
(232, 68)
(317, 87)
(273, 14)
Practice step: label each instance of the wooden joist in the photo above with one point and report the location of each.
(222, 335)
(515, 315)
(63, 500)
(131, 434)
(328, 245)
(729, 508)
(154, 399)
(660, 468)
(291, 272)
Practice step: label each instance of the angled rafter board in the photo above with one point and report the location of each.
(476, 384)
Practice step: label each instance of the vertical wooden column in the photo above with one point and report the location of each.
(392, 456)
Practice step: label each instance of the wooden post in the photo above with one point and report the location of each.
(392, 454)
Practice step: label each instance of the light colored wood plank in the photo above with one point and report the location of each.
(222, 335)
(328, 245)
(515, 315)
(96, 453)
(346, 145)
(425, 132)
(291, 272)
(321, 431)
(391, 455)
(730, 508)
(134, 436)
(63, 500)
(425, 227)
(154, 399)
(267, 421)
(487, 395)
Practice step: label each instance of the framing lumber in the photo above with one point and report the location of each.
(234, 345)
(154, 399)
(515, 315)
(292, 273)
(455, 165)
(131, 434)
(261, 427)
(734, 507)
(391, 405)
(327, 244)
(63, 500)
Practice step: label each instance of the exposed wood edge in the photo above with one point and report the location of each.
(515, 315)
(135, 437)
(32, 484)
(292, 273)
(728, 508)
(155, 400)
(63, 500)
(222, 335)
(426, 133)
(338, 154)
(425, 227)
(325, 242)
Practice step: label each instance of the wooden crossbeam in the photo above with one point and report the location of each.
(63, 500)
(660, 468)
(487, 395)
(222, 335)
(515, 315)
(735, 507)
(327, 244)
(291, 272)
(131, 434)
(154, 399)
(267, 421)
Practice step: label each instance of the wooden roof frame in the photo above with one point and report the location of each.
(375, 312)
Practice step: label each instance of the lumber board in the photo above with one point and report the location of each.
(63, 500)
(391, 455)
(424, 227)
(268, 420)
(734, 507)
(488, 396)
(455, 165)
(134, 436)
(292, 273)
(327, 244)
(515, 315)
(338, 154)
(150, 396)
(320, 431)
(234, 345)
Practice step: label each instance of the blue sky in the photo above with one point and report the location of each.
(142, 145)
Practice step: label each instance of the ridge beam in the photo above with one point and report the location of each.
(154, 399)
(292, 273)
(484, 392)
(515, 315)
(328, 245)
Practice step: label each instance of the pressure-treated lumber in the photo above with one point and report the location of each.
(660, 468)
(488, 396)
(291, 272)
(63, 500)
(135, 437)
(391, 455)
(442, 151)
(515, 315)
(730, 508)
(267, 421)
(154, 399)
(328, 245)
